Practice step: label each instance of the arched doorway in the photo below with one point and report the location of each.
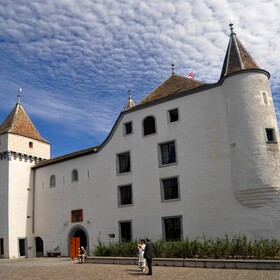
(39, 246)
(79, 232)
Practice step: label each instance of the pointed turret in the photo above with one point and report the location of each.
(237, 57)
(19, 123)
(129, 103)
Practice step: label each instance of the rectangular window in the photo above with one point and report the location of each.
(170, 188)
(123, 162)
(173, 115)
(77, 216)
(168, 153)
(125, 231)
(264, 97)
(128, 128)
(1, 246)
(172, 228)
(125, 195)
(270, 135)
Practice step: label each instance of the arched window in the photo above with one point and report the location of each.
(149, 125)
(52, 181)
(74, 175)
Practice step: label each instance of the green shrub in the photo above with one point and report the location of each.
(221, 247)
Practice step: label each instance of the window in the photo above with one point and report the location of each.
(264, 97)
(172, 228)
(52, 181)
(125, 195)
(74, 175)
(123, 162)
(125, 231)
(128, 128)
(173, 115)
(149, 125)
(31, 145)
(168, 153)
(270, 135)
(170, 188)
(1, 246)
(77, 216)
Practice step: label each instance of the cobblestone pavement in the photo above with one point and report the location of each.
(65, 268)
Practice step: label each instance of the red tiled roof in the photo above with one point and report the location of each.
(19, 123)
(171, 86)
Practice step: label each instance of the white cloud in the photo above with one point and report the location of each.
(80, 57)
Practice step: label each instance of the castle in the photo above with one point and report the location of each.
(191, 159)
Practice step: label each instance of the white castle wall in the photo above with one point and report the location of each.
(4, 172)
(208, 205)
(20, 144)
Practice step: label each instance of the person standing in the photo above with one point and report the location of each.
(149, 254)
(141, 250)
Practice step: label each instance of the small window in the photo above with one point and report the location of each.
(173, 115)
(52, 181)
(77, 216)
(125, 231)
(74, 175)
(128, 128)
(31, 145)
(264, 97)
(123, 162)
(168, 153)
(125, 195)
(172, 227)
(149, 125)
(170, 189)
(270, 135)
(1, 246)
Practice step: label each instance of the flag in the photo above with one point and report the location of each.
(190, 75)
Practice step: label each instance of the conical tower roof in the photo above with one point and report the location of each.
(19, 123)
(237, 57)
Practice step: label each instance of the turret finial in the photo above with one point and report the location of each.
(231, 29)
(19, 92)
(173, 68)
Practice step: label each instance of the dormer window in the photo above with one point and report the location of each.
(30, 145)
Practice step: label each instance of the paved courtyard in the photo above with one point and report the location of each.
(65, 268)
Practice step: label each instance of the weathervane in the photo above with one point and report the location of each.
(231, 26)
(173, 68)
(19, 92)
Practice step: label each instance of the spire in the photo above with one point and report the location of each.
(237, 57)
(129, 103)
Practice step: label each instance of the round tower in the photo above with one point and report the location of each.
(252, 127)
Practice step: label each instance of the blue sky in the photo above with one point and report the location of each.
(77, 59)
